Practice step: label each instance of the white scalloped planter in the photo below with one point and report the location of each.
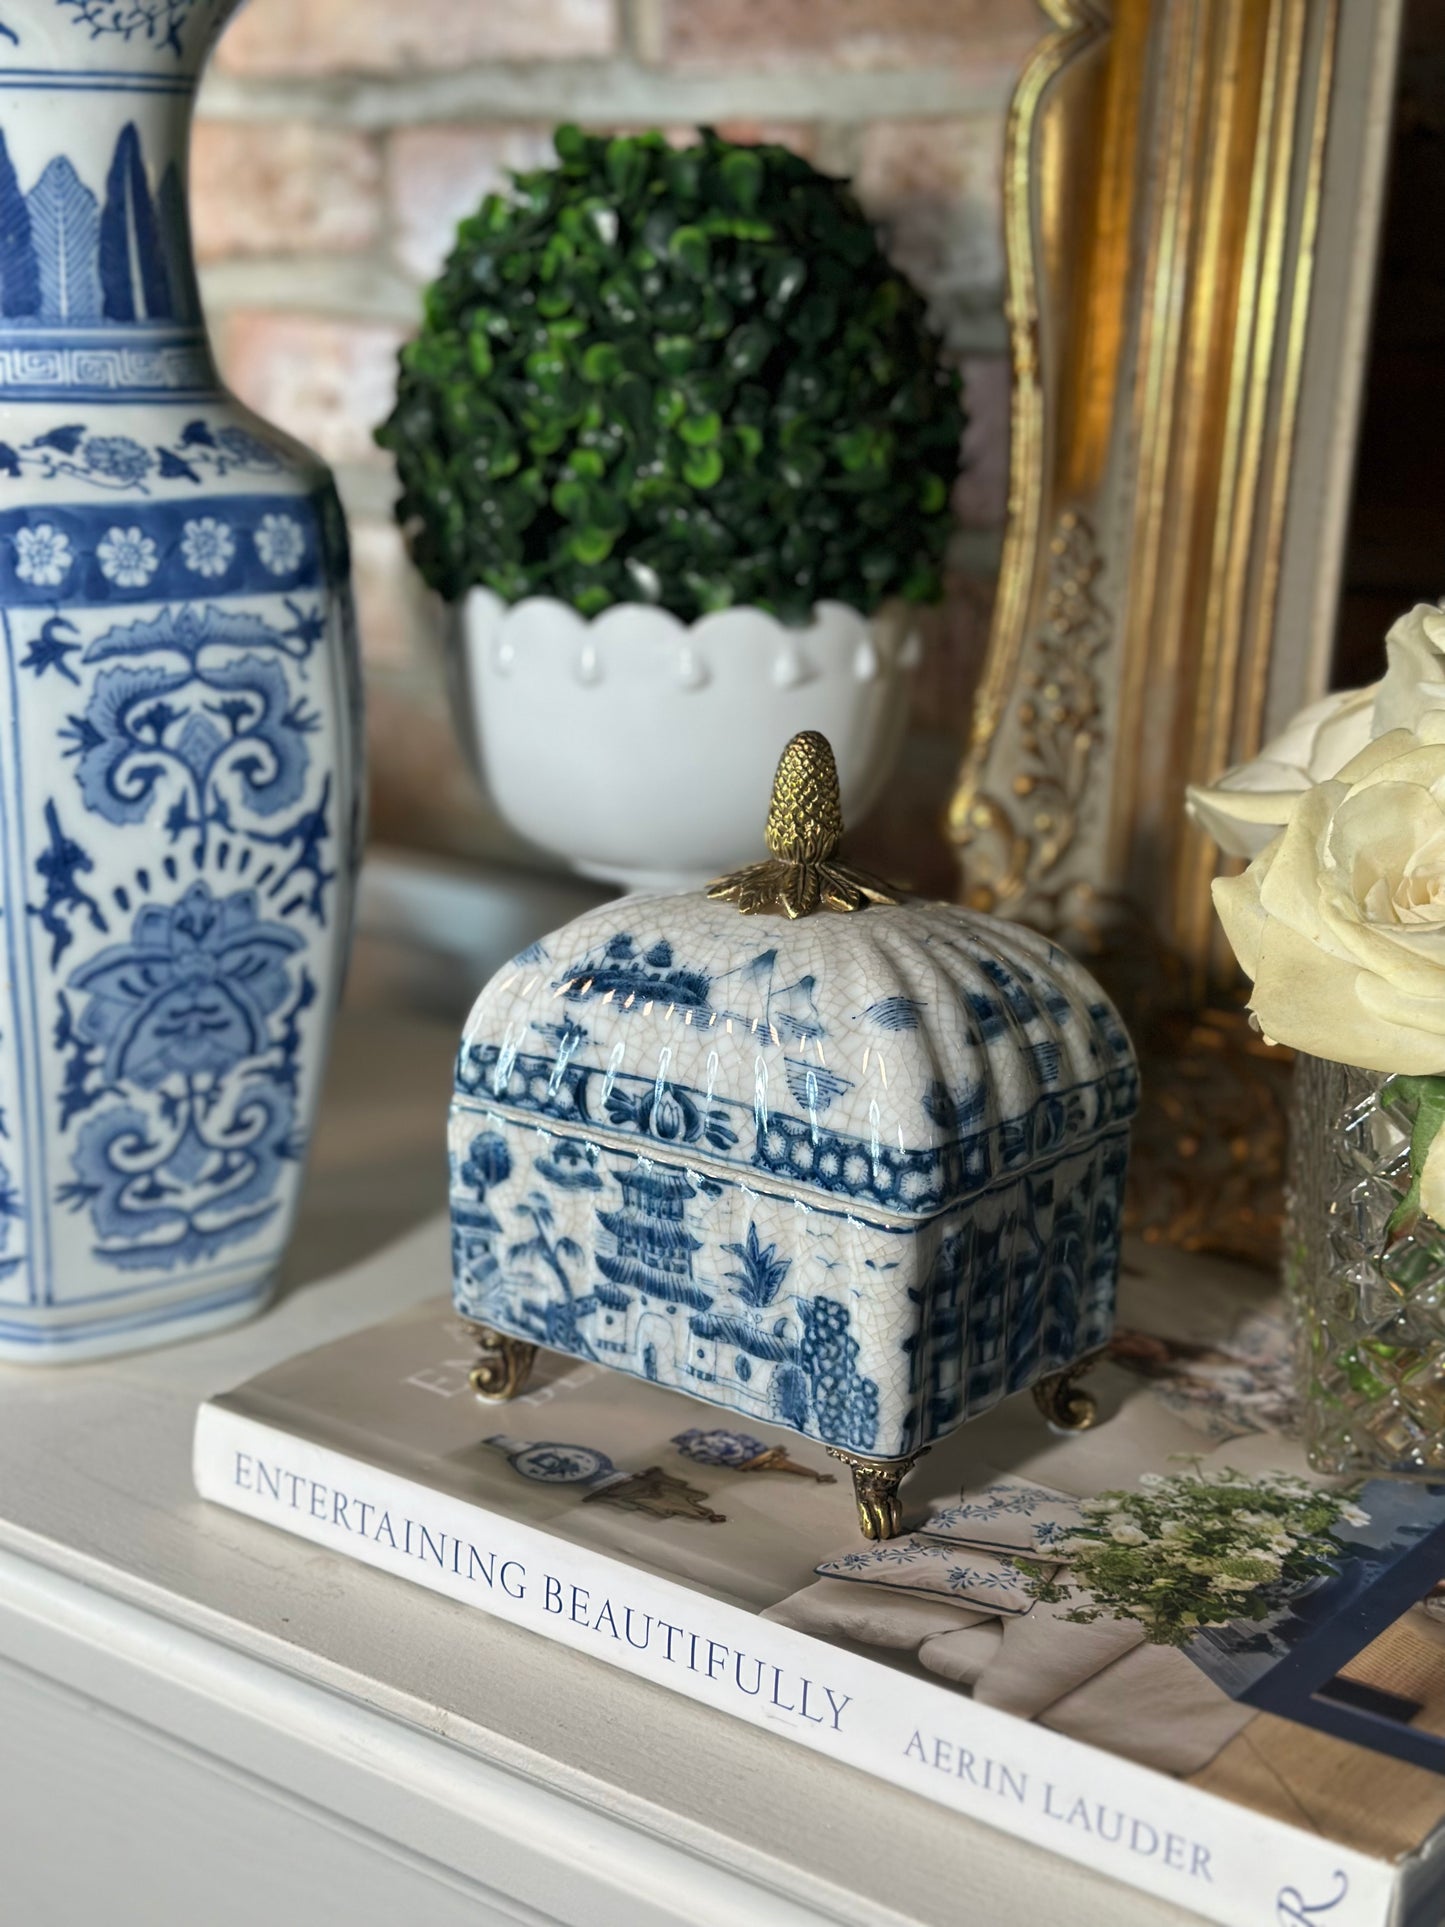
(636, 745)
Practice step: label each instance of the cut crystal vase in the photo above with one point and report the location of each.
(1370, 1310)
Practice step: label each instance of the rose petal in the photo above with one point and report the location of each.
(1237, 905)
(1260, 796)
(1243, 821)
(1415, 680)
(1312, 1001)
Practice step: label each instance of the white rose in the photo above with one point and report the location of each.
(1415, 680)
(1247, 807)
(1341, 921)
(1127, 1535)
(1251, 803)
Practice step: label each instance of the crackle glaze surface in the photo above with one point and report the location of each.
(856, 1175)
(179, 708)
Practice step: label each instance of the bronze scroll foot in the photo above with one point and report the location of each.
(503, 1365)
(875, 1490)
(1063, 1401)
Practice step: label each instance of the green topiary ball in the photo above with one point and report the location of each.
(686, 377)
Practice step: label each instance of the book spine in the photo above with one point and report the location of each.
(1221, 1860)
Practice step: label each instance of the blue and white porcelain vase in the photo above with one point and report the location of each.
(180, 719)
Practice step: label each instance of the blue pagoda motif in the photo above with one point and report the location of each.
(651, 1245)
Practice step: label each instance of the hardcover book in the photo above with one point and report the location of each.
(1161, 1647)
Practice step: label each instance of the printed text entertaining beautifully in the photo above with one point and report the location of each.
(645, 1632)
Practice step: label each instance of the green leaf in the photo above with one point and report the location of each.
(1426, 1096)
(783, 279)
(703, 468)
(683, 171)
(557, 257)
(479, 353)
(690, 249)
(604, 223)
(570, 499)
(627, 165)
(570, 143)
(712, 593)
(746, 230)
(601, 363)
(633, 400)
(669, 405)
(622, 300)
(802, 468)
(716, 319)
(748, 347)
(814, 318)
(699, 431)
(675, 353)
(591, 546)
(742, 176)
(547, 368)
(932, 494)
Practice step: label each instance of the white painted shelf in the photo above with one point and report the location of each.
(205, 1721)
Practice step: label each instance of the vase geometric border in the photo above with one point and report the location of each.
(71, 367)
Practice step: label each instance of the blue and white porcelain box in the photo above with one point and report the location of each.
(856, 1175)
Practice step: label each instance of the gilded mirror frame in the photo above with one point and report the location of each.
(1192, 197)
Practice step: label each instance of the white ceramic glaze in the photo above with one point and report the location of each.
(642, 748)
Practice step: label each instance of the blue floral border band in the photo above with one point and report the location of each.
(126, 552)
(916, 1183)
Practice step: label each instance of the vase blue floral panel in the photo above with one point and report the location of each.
(860, 1176)
(180, 775)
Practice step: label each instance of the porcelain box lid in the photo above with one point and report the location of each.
(901, 1059)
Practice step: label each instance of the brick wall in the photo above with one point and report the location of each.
(339, 141)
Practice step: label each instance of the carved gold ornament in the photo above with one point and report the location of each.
(1013, 845)
(804, 828)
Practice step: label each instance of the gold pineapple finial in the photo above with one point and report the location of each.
(805, 826)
